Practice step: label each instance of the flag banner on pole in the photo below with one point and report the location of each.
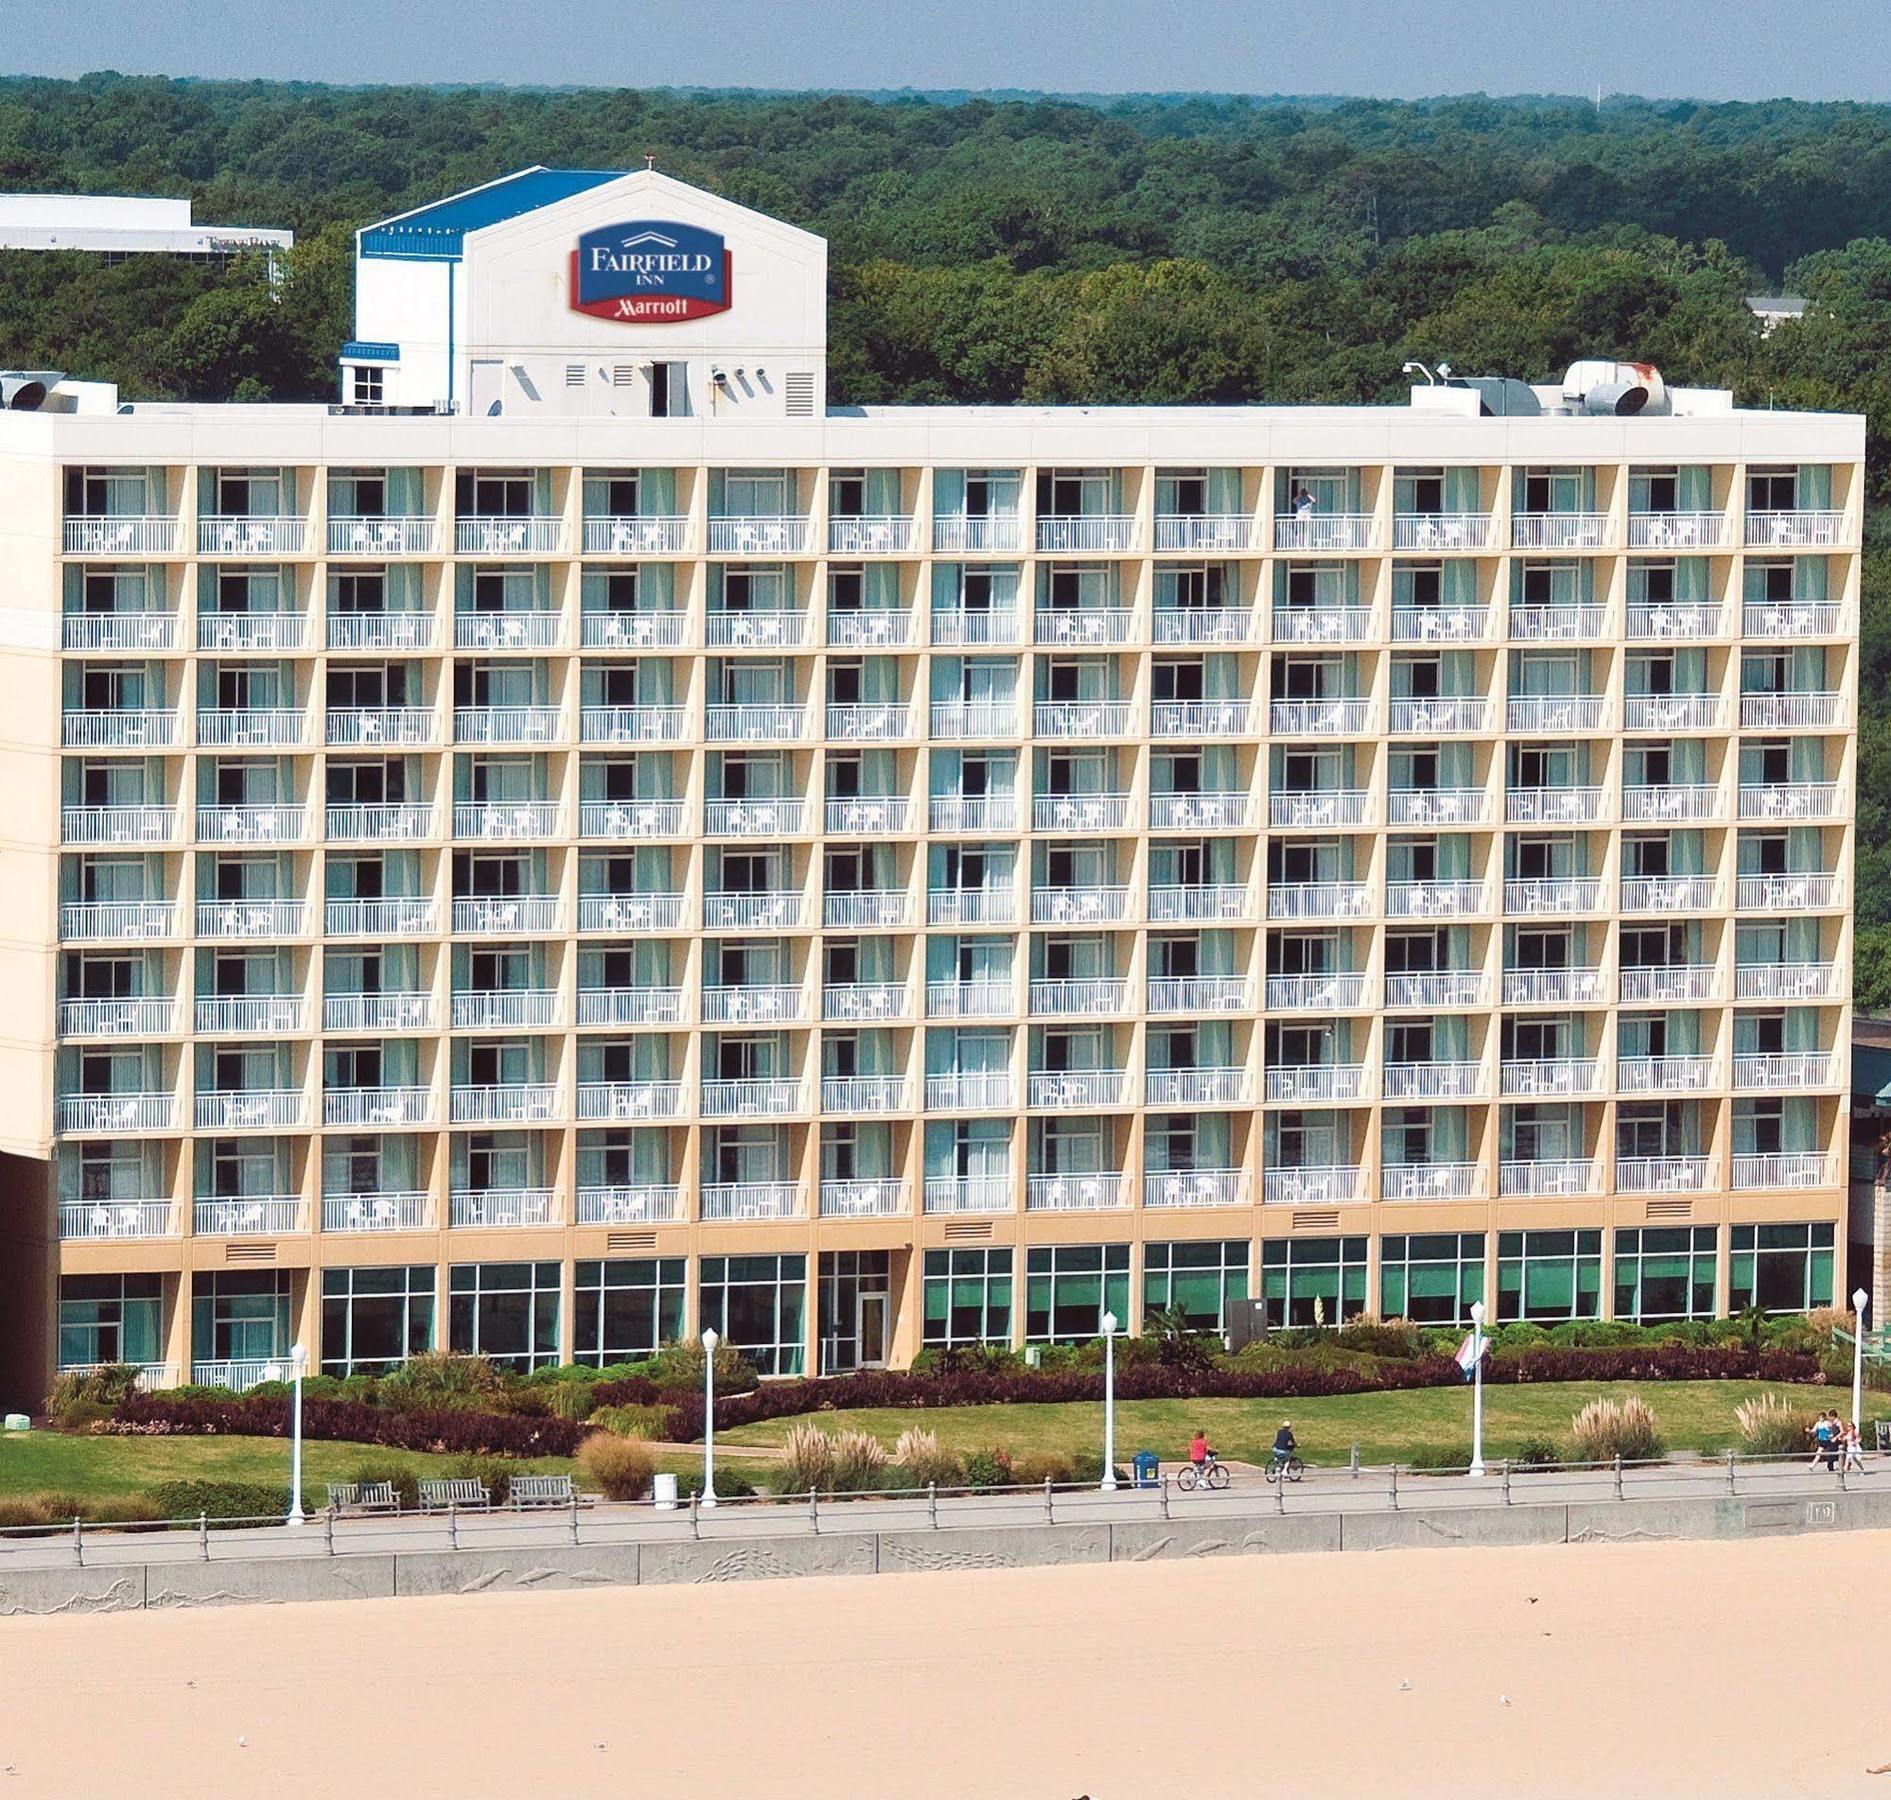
(1474, 1346)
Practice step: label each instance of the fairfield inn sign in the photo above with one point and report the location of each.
(650, 272)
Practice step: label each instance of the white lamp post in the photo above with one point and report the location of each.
(709, 1417)
(1108, 1483)
(1860, 1300)
(1477, 1387)
(298, 1362)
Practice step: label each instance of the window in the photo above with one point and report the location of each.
(759, 1305)
(1313, 1281)
(1549, 1275)
(110, 1319)
(1664, 1274)
(1069, 1287)
(373, 1319)
(239, 1316)
(1431, 1278)
(1199, 1279)
(369, 387)
(505, 1311)
(967, 1297)
(1783, 1268)
(669, 390)
(626, 1308)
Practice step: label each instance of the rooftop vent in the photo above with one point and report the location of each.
(23, 390)
(1623, 390)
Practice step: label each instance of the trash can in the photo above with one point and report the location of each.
(663, 1492)
(1148, 1467)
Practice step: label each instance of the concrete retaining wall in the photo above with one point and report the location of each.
(238, 1581)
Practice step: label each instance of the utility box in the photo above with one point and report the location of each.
(1247, 1322)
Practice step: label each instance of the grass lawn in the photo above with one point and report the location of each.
(1693, 1415)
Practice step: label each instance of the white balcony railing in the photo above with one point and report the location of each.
(129, 534)
(1316, 1083)
(1786, 981)
(403, 917)
(1670, 983)
(504, 1103)
(972, 906)
(1560, 531)
(378, 1107)
(1441, 531)
(1320, 718)
(754, 1004)
(764, 534)
(1793, 619)
(117, 1114)
(1549, 1179)
(253, 1215)
(380, 725)
(1225, 902)
(1437, 714)
(510, 916)
(631, 912)
(1801, 800)
(391, 1012)
(1432, 1081)
(1311, 809)
(252, 727)
(632, 724)
(1676, 530)
(251, 824)
(866, 909)
(494, 1009)
(1553, 895)
(751, 818)
(1695, 802)
(885, 724)
(1440, 624)
(1079, 812)
(1065, 1089)
(1672, 712)
(130, 1016)
(252, 1109)
(779, 911)
(1081, 718)
(1553, 987)
(755, 724)
(503, 1208)
(1438, 806)
(392, 1211)
(1103, 1192)
(970, 1000)
(630, 1006)
(976, 531)
(1322, 624)
(865, 1198)
(1550, 1077)
(381, 534)
(1051, 999)
(1814, 891)
(1792, 712)
(252, 918)
(773, 1097)
(1800, 530)
(1435, 989)
(508, 724)
(870, 534)
(1556, 624)
(120, 631)
(509, 535)
(1332, 1184)
(1670, 893)
(864, 1002)
(767, 628)
(864, 1094)
(117, 921)
(1324, 532)
(1677, 621)
(968, 1194)
(1431, 1181)
(1336, 992)
(1196, 1087)
(1435, 899)
(1200, 994)
(1080, 905)
(871, 628)
(1206, 811)
(1556, 805)
(1557, 712)
(1087, 533)
(1195, 1187)
(242, 1014)
(1320, 900)
(1083, 625)
(636, 534)
(647, 1204)
(252, 534)
(81, 1220)
(1662, 1174)
(402, 822)
(627, 1102)
(149, 728)
(506, 820)
(117, 824)
(1204, 531)
(980, 1091)
(869, 815)
(974, 625)
(1203, 719)
(1785, 1071)
(1664, 1074)
(1783, 1169)
(1204, 624)
(744, 1201)
(252, 630)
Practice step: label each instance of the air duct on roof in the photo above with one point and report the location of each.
(1622, 390)
(1501, 396)
(24, 392)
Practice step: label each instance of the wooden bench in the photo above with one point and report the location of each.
(437, 1496)
(363, 1496)
(542, 1490)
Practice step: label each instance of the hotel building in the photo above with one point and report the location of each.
(580, 840)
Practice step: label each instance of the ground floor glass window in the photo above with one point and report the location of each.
(1199, 1279)
(1547, 1276)
(238, 1316)
(374, 1319)
(1069, 1287)
(110, 1319)
(1431, 1277)
(626, 1308)
(759, 1305)
(1783, 1268)
(1664, 1273)
(505, 1311)
(967, 1297)
(1313, 1281)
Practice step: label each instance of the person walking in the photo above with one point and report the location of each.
(1825, 1440)
(1852, 1447)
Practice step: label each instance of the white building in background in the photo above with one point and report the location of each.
(114, 226)
(581, 841)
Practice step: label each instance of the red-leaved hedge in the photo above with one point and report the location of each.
(349, 1421)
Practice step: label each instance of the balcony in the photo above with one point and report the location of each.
(1787, 1072)
(391, 919)
(252, 630)
(252, 1109)
(252, 728)
(862, 1198)
(628, 1102)
(507, 724)
(1676, 621)
(886, 724)
(1080, 906)
(397, 1211)
(1433, 1081)
(631, 912)
(1672, 983)
(1078, 999)
(1792, 712)
(1204, 624)
(506, 821)
(117, 1018)
(780, 911)
(1439, 714)
(125, 534)
(1083, 625)
(1210, 903)
(783, 817)
(1438, 806)
(510, 916)
(504, 1103)
(980, 1091)
(972, 906)
(650, 1204)
(1782, 1169)
(1196, 1087)
(497, 1009)
(866, 909)
(870, 534)
(1676, 530)
(1088, 813)
(1799, 530)
(1552, 896)
(957, 625)
(1550, 1179)
(1431, 1181)
(152, 728)
(761, 534)
(631, 724)
(1087, 533)
(757, 724)
(1814, 891)
(1692, 803)
(1333, 1184)
(1435, 899)
(1786, 981)
(630, 1006)
(868, 815)
(1548, 1078)
(782, 628)
(1557, 624)
(976, 531)
(120, 631)
(254, 534)
(1320, 718)
(748, 1201)
(1315, 809)
(864, 1002)
(234, 1015)
(1435, 989)
(1663, 1174)
(1320, 900)
(117, 921)
(1440, 624)
(1441, 531)
(508, 535)
(115, 1115)
(1553, 987)
(378, 1108)
(404, 822)
(380, 725)
(1556, 806)
(636, 534)
(1223, 532)
(382, 630)
(1560, 531)
(251, 824)
(1557, 712)
(1200, 994)
(1316, 1084)
(117, 824)
(1323, 533)
(95, 1221)
(782, 1004)
(1081, 719)
(250, 1215)
(1102, 1192)
(391, 1012)
(1205, 720)
(381, 535)
(656, 629)
(1793, 619)
(970, 1000)
(865, 1094)
(871, 628)
(1671, 893)
(1206, 811)
(968, 1194)
(1195, 1187)
(503, 1208)
(252, 918)
(1316, 993)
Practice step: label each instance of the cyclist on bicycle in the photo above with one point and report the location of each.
(1199, 1452)
(1284, 1445)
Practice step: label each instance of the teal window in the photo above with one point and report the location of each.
(1313, 1281)
(1664, 1274)
(967, 1297)
(374, 1319)
(1069, 1287)
(239, 1315)
(1549, 1275)
(626, 1307)
(1431, 1277)
(505, 1311)
(1783, 1268)
(760, 1306)
(110, 1319)
(1199, 1278)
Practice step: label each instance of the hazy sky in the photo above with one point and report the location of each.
(1710, 49)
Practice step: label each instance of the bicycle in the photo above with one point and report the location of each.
(1211, 1474)
(1287, 1468)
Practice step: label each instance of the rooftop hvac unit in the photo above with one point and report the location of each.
(1621, 389)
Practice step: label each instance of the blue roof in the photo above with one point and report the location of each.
(437, 233)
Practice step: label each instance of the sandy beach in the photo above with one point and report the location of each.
(1650, 1669)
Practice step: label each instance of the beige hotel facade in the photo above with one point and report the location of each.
(580, 841)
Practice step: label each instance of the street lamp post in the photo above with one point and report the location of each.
(709, 1417)
(1108, 1483)
(298, 1362)
(1477, 1387)
(1860, 1300)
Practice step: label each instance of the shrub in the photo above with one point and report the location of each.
(22, 1512)
(565, 1400)
(439, 1381)
(493, 1471)
(1384, 1337)
(988, 1468)
(919, 1454)
(1536, 1454)
(1606, 1429)
(462, 1433)
(680, 1366)
(728, 1487)
(84, 1396)
(859, 1461)
(219, 1501)
(618, 1468)
(403, 1480)
(631, 1421)
(807, 1460)
(1771, 1425)
(1033, 1470)
(1440, 1459)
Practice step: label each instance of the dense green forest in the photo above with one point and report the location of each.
(1149, 248)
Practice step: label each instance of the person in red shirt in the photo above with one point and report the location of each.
(1198, 1451)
